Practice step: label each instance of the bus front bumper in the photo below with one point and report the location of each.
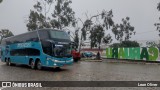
(59, 63)
(62, 62)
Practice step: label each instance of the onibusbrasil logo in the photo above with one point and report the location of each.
(20, 84)
(5, 85)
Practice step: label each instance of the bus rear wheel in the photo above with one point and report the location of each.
(7, 62)
(39, 65)
(32, 64)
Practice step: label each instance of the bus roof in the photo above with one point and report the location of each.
(31, 32)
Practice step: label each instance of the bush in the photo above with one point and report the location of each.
(126, 44)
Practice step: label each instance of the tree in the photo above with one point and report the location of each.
(158, 7)
(152, 44)
(130, 44)
(102, 21)
(1, 1)
(158, 23)
(106, 18)
(4, 33)
(123, 31)
(97, 33)
(38, 17)
(125, 44)
(76, 38)
(45, 16)
(63, 15)
(107, 39)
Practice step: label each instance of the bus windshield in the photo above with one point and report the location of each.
(62, 51)
(55, 43)
(59, 35)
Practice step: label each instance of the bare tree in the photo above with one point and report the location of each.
(103, 20)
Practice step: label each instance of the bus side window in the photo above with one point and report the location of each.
(18, 52)
(32, 52)
(12, 52)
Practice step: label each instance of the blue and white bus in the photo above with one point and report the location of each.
(40, 48)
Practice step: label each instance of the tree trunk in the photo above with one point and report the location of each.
(80, 44)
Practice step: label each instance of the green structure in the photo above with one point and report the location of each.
(136, 53)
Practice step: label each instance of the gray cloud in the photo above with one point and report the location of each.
(143, 14)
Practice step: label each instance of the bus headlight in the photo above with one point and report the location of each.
(55, 60)
(55, 64)
(48, 58)
(58, 61)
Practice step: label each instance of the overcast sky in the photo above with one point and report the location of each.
(143, 14)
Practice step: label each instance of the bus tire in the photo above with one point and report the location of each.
(39, 65)
(10, 63)
(32, 64)
(57, 68)
(7, 62)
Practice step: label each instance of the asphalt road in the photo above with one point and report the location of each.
(83, 71)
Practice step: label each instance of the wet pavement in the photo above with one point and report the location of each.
(84, 71)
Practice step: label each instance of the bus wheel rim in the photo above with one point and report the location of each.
(39, 65)
(9, 63)
(32, 64)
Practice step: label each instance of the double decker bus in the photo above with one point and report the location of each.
(40, 48)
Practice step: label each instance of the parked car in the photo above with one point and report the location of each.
(88, 54)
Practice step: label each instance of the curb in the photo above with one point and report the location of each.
(131, 62)
(92, 60)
